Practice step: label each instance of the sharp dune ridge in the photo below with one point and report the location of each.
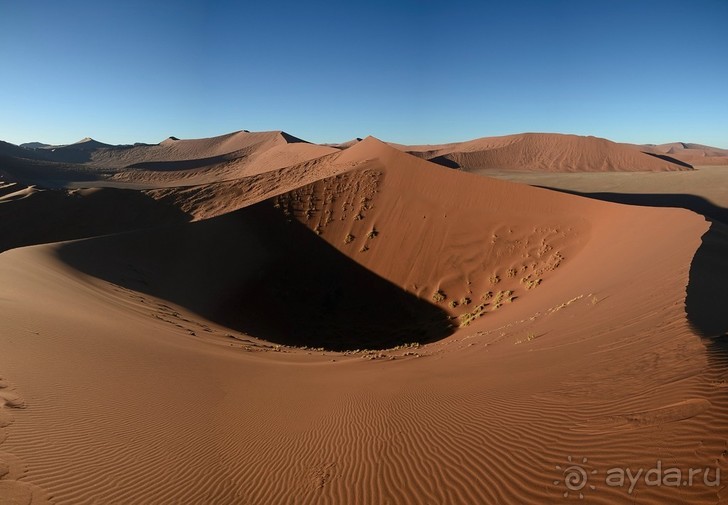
(252, 318)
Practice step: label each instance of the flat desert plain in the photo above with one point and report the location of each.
(256, 319)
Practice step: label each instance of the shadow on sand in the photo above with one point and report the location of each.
(171, 166)
(256, 271)
(691, 202)
(707, 295)
(56, 215)
(707, 292)
(444, 161)
(669, 159)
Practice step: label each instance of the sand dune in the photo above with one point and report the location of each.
(34, 145)
(244, 163)
(48, 174)
(234, 144)
(171, 149)
(173, 162)
(11, 150)
(704, 190)
(542, 152)
(424, 257)
(694, 154)
(203, 201)
(186, 162)
(85, 144)
(161, 367)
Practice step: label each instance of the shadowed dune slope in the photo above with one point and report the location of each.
(260, 273)
(30, 215)
(45, 173)
(706, 302)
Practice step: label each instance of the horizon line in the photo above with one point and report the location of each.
(90, 138)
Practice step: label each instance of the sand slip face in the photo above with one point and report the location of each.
(31, 215)
(136, 393)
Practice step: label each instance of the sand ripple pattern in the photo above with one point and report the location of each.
(13, 490)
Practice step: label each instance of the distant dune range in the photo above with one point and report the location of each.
(174, 162)
(256, 319)
(171, 162)
(694, 154)
(545, 152)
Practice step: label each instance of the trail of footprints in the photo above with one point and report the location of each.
(14, 491)
(347, 198)
(163, 312)
(247, 343)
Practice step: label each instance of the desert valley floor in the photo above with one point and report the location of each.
(256, 319)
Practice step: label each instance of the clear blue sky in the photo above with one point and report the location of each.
(629, 70)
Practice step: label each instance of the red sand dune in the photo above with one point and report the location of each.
(206, 160)
(547, 152)
(211, 199)
(171, 149)
(154, 371)
(694, 154)
(172, 162)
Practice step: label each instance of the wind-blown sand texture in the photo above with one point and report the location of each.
(360, 327)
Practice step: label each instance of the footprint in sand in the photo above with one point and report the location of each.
(667, 414)
(13, 491)
(12, 400)
(6, 418)
(11, 468)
